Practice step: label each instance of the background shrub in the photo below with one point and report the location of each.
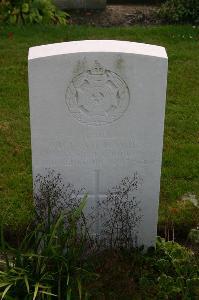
(31, 11)
(144, 2)
(180, 11)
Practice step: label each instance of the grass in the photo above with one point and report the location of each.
(180, 170)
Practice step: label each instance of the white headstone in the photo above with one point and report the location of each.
(97, 115)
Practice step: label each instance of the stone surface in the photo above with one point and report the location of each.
(97, 116)
(76, 4)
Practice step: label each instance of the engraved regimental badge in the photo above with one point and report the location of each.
(97, 96)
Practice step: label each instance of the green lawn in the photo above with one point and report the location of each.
(180, 172)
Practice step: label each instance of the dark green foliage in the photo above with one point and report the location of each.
(48, 262)
(31, 11)
(168, 272)
(56, 258)
(180, 11)
(171, 272)
(45, 268)
(144, 2)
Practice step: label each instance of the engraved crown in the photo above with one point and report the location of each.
(97, 69)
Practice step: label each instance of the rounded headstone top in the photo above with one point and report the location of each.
(96, 46)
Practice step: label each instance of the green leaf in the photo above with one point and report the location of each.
(48, 293)
(79, 288)
(54, 230)
(68, 295)
(27, 284)
(86, 296)
(68, 279)
(5, 291)
(25, 8)
(4, 284)
(75, 215)
(36, 290)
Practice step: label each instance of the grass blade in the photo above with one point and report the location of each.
(76, 213)
(48, 293)
(68, 295)
(36, 290)
(4, 284)
(27, 284)
(79, 288)
(5, 291)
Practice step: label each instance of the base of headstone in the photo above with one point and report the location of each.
(76, 4)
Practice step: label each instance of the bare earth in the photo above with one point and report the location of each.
(116, 15)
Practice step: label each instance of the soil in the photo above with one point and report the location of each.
(116, 15)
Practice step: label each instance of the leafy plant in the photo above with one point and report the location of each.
(172, 272)
(31, 11)
(168, 271)
(55, 261)
(49, 262)
(180, 11)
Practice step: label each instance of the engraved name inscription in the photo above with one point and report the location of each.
(97, 96)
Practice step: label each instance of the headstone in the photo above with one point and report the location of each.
(97, 115)
(76, 4)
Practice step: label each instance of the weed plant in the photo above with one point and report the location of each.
(55, 261)
(120, 214)
(49, 262)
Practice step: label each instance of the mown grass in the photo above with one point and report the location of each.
(180, 171)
